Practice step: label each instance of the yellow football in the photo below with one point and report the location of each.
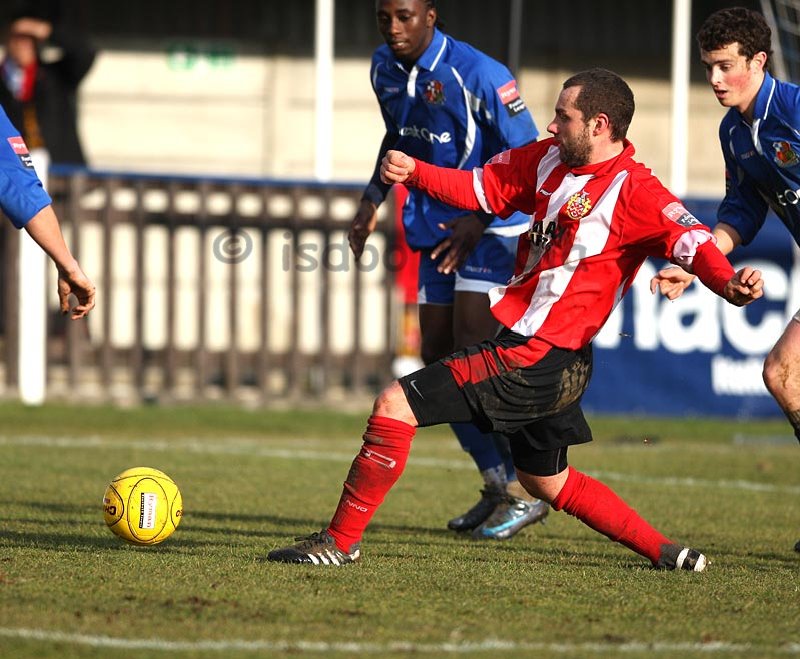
(142, 506)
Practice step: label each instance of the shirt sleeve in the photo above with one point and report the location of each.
(21, 192)
(743, 207)
(712, 268)
(376, 189)
(460, 188)
(661, 224)
(374, 72)
(504, 109)
(455, 187)
(508, 183)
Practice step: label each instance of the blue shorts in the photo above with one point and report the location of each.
(490, 264)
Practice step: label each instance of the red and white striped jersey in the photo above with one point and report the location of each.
(591, 229)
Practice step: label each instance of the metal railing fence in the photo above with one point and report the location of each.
(213, 288)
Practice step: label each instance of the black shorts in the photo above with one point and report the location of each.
(512, 384)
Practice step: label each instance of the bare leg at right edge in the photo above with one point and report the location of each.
(782, 376)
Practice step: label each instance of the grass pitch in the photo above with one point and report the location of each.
(251, 481)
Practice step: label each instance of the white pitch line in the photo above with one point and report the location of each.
(489, 645)
(253, 448)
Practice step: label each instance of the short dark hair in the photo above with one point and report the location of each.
(604, 91)
(736, 25)
(431, 4)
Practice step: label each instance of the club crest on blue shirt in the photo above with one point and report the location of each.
(578, 205)
(434, 92)
(784, 156)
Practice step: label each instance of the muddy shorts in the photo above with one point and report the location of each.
(515, 385)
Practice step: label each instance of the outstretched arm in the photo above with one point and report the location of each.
(673, 280)
(716, 273)
(44, 229)
(450, 186)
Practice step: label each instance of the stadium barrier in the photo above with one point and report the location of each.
(245, 290)
(214, 289)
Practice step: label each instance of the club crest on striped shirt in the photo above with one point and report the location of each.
(578, 205)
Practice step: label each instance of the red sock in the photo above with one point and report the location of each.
(597, 506)
(376, 468)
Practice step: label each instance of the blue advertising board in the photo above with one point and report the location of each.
(697, 355)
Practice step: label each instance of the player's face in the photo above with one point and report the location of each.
(406, 26)
(734, 79)
(572, 133)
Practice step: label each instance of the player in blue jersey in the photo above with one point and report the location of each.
(760, 138)
(449, 104)
(24, 201)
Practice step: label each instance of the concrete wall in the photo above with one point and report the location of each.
(253, 116)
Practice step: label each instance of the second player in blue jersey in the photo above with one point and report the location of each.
(448, 103)
(760, 139)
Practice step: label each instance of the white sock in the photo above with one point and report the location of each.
(495, 477)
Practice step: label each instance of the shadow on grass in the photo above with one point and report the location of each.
(209, 529)
(426, 541)
(231, 522)
(284, 529)
(60, 508)
(63, 542)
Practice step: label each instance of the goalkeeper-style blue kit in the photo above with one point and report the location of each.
(762, 161)
(21, 192)
(456, 107)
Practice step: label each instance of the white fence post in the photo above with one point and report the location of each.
(33, 307)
